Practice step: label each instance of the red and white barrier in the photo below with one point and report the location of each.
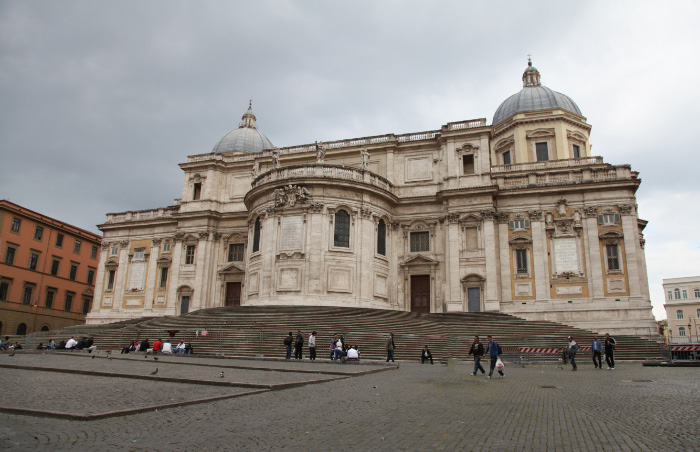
(685, 348)
(539, 350)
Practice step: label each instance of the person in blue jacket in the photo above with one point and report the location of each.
(493, 350)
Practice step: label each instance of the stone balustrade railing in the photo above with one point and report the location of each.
(322, 171)
(550, 164)
(570, 176)
(140, 215)
(340, 144)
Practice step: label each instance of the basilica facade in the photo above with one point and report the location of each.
(515, 217)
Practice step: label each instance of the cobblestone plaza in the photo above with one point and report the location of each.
(82, 404)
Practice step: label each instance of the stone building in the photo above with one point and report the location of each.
(48, 271)
(515, 217)
(683, 309)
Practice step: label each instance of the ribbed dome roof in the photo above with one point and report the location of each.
(245, 138)
(534, 97)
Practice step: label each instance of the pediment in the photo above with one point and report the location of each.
(420, 260)
(504, 143)
(164, 260)
(540, 133)
(232, 268)
(520, 238)
(612, 234)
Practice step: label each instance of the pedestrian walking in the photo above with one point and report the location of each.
(477, 350)
(573, 347)
(597, 349)
(288, 344)
(610, 351)
(425, 355)
(494, 351)
(298, 345)
(390, 347)
(312, 346)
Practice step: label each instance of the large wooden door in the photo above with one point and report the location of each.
(233, 294)
(420, 293)
(474, 299)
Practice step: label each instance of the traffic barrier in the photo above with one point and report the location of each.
(685, 348)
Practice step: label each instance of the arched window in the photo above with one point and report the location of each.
(21, 329)
(381, 238)
(341, 233)
(681, 331)
(677, 293)
(256, 235)
(679, 314)
(0, 327)
(44, 328)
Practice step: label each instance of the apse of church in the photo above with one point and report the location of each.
(514, 217)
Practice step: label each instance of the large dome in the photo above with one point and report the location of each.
(246, 137)
(534, 97)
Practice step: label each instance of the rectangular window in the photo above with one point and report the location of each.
(86, 305)
(50, 295)
(235, 252)
(521, 261)
(166, 247)
(163, 278)
(59, 240)
(189, 255)
(506, 158)
(15, 225)
(139, 255)
(76, 247)
(197, 191)
(38, 233)
(697, 293)
(54, 267)
(679, 314)
(577, 151)
(471, 238)
(9, 255)
(93, 252)
(613, 259)
(90, 276)
(69, 301)
(27, 296)
(670, 295)
(73, 272)
(609, 218)
(33, 261)
(468, 164)
(420, 241)
(542, 152)
(685, 293)
(110, 279)
(113, 250)
(522, 223)
(4, 288)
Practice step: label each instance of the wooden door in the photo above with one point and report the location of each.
(185, 304)
(474, 299)
(420, 293)
(233, 294)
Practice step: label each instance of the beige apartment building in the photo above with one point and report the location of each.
(683, 309)
(515, 217)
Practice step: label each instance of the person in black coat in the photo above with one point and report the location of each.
(477, 350)
(425, 354)
(145, 345)
(298, 345)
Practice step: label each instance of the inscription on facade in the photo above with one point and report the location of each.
(566, 255)
(291, 233)
(136, 277)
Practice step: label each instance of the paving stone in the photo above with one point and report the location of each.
(415, 407)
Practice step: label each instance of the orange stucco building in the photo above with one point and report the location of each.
(47, 271)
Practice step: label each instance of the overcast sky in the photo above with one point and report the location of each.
(99, 101)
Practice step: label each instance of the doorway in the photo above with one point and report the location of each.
(474, 299)
(233, 294)
(420, 293)
(184, 304)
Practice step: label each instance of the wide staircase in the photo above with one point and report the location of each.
(254, 331)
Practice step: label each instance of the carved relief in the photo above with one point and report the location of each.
(203, 235)
(535, 215)
(562, 207)
(625, 209)
(590, 211)
(320, 152)
(156, 241)
(124, 243)
(290, 194)
(275, 154)
(105, 245)
(178, 236)
(216, 236)
(488, 214)
(502, 217)
(366, 213)
(453, 217)
(316, 206)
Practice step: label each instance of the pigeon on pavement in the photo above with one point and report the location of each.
(221, 375)
(155, 371)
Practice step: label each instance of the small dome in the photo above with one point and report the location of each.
(246, 137)
(533, 97)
